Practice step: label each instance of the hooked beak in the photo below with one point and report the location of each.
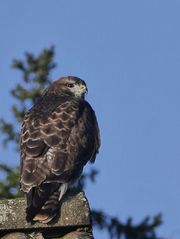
(83, 89)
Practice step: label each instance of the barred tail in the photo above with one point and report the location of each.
(49, 210)
(42, 202)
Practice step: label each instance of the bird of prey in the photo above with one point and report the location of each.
(60, 134)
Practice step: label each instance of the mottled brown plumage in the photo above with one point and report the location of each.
(59, 136)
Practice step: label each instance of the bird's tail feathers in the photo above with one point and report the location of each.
(43, 201)
(39, 197)
(49, 209)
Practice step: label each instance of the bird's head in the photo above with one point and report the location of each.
(69, 85)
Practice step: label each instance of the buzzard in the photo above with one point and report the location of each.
(59, 136)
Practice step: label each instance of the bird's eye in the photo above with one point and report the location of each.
(70, 85)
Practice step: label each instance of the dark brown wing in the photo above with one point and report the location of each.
(59, 136)
(82, 145)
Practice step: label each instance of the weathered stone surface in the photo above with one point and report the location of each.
(37, 235)
(74, 212)
(77, 235)
(15, 235)
(19, 235)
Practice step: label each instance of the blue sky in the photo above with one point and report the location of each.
(128, 52)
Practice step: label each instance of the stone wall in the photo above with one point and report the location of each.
(74, 221)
